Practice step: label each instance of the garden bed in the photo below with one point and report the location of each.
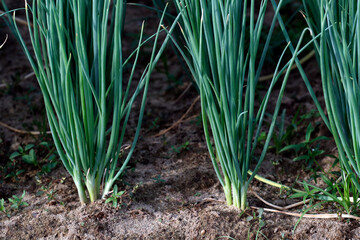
(171, 190)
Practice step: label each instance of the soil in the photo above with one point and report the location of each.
(171, 190)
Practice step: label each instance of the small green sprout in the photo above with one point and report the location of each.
(115, 196)
(18, 202)
(310, 146)
(177, 150)
(2, 206)
(15, 174)
(257, 218)
(155, 124)
(27, 154)
(158, 179)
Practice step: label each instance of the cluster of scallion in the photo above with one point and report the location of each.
(336, 30)
(79, 64)
(222, 38)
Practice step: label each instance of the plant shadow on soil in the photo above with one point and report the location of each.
(171, 189)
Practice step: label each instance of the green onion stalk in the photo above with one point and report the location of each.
(222, 38)
(337, 23)
(80, 67)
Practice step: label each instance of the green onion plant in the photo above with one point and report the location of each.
(226, 71)
(336, 27)
(88, 93)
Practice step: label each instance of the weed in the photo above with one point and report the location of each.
(10, 170)
(155, 124)
(51, 158)
(177, 150)
(27, 154)
(18, 202)
(47, 168)
(283, 136)
(3, 208)
(158, 179)
(14, 83)
(197, 121)
(174, 81)
(14, 175)
(283, 236)
(50, 193)
(28, 98)
(336, 191)
(258, 218)
(310, 147)
(115, 196)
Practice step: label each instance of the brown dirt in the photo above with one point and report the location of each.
(169, 194)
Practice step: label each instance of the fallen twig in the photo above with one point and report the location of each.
(316, 216)
(303, 60)
(29, 75)
(183, 93)
(180, 120)
(1, 45)
(22, 131)
(278, 207)
(18, 20)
